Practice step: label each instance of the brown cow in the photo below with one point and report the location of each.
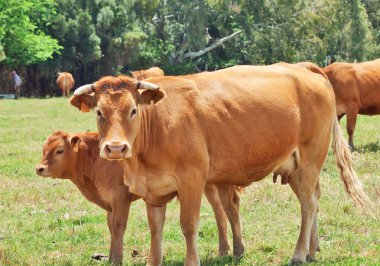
(148, 73)
(229, 127)
(65, 82)
(76, 157)
(357, 90)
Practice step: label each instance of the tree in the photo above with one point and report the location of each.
(22, 35)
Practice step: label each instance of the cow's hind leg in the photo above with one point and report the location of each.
(352, 114)
(314, 242)
(231, 204)
(304, 186)
(212, 196)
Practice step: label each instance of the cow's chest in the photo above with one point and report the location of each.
(155, 187)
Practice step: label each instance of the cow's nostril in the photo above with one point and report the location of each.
(40, 170)
(108, 150)
(124, 148)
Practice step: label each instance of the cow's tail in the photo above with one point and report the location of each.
(65, 82)
(352, 184)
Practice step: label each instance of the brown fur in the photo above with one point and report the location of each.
(148, 73)
(313, 68)
(357, 90)
(65, 82)
(228, 127)
(101, 182)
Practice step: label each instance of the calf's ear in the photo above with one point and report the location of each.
(75, 142)
(84, 102)
(149, 96)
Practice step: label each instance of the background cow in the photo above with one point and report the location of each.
(76, 157)
(149, 73)
(65, 82)
(229, 127)
(357, 90)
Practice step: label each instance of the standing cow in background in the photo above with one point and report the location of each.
(76, 157)
(228, 127)
(357, 90)
(65, 82)
(149, 73)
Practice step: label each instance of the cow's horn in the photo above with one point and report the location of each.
(84, 89)
(146, 85)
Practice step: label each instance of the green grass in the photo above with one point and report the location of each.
(46, 221)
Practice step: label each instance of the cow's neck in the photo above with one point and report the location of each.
(84, 177)
(134, 167)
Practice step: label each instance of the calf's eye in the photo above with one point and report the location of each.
(59, 152)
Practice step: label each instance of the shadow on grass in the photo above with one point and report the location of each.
(369, 147)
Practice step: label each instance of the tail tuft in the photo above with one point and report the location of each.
(352, 184)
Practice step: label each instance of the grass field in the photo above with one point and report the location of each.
(48, 222)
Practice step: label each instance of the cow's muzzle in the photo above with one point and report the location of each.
(41, 170)
(115, 150)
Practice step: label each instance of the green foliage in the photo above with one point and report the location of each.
(113, 36)
(22, 25)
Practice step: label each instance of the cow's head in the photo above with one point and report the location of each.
(118, 103)
(60, 153)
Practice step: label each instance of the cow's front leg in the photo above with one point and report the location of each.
(190, 197)
(119, 218)
(156, 219)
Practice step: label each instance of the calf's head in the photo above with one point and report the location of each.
(60, 153)
(118, 104)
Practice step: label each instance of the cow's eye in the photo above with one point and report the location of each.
(99, 113)
(59, 152)
(133, 112)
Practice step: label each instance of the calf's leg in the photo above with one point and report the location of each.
(231, 204)
(212, 196)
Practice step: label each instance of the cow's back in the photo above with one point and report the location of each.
(244, 117)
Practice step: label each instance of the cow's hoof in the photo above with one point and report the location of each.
(310, 258)
(238, 252)
(223, 251)
(296, 261)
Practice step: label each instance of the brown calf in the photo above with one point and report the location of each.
(76, 157)
(65, 82)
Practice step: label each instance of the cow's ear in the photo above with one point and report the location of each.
(149, 96)
(75, 142)
(84, 102)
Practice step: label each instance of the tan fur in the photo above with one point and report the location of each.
(357, 90)
(148, 73)
(65, 82)
(313, 68)
(101, 182)
(229, 127)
